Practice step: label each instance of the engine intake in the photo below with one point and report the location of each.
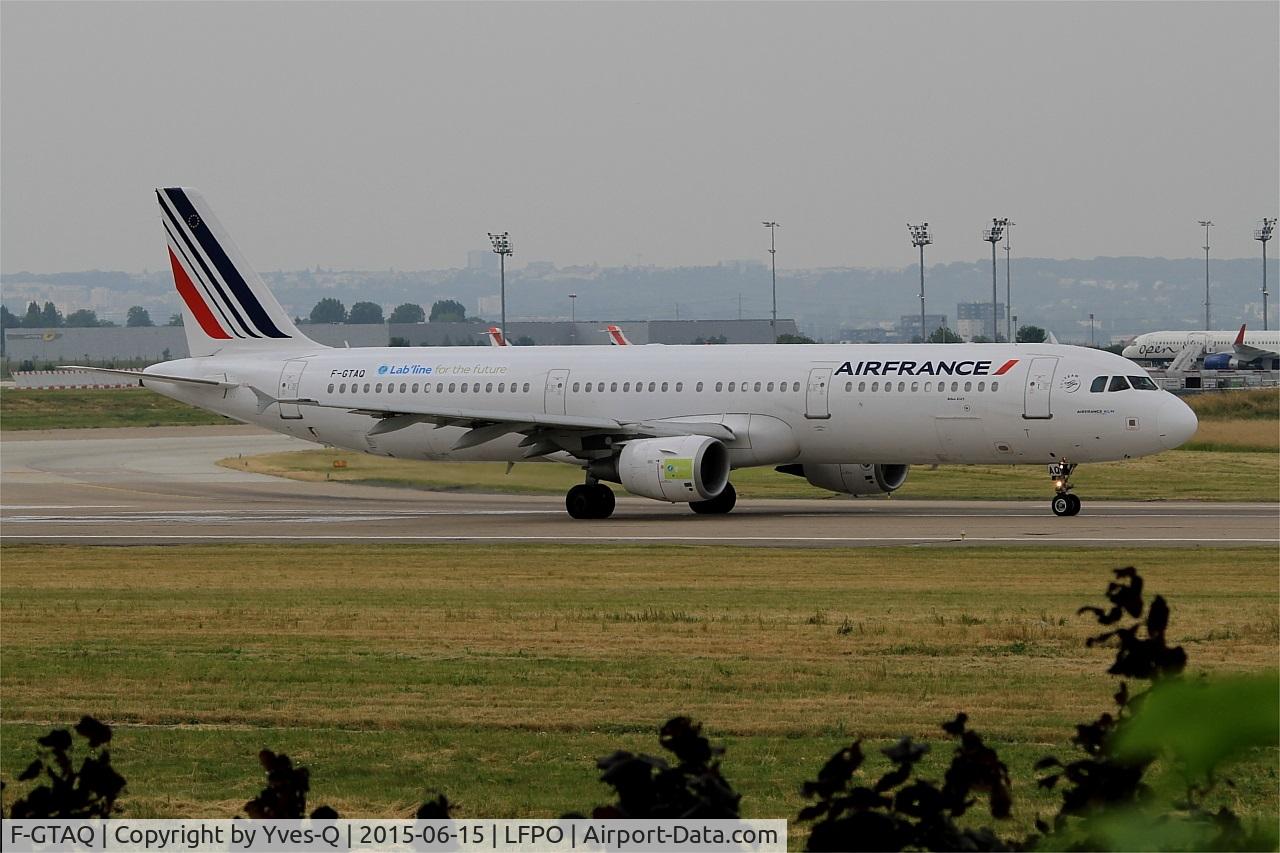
(851, 479)
(680, 469)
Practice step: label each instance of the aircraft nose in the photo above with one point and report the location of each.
(1177, 422)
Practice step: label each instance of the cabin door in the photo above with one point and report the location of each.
(815, 401)
(553, 398)
(289, 379)
(1035, 397)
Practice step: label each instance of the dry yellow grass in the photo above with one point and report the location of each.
(390, 667)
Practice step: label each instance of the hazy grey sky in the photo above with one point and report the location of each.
(362, 135)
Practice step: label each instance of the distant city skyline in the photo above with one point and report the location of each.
(369, 136)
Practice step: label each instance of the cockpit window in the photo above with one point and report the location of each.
(1143, 383)
(1118, 383)
(1099, 384)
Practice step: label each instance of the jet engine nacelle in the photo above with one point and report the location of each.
(852, 479)
(1222, 361)
(680, 469)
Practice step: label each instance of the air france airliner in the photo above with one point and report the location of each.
(669, 423)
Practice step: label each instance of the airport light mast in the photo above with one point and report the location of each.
(1262, 234)
(502, 248)
(992, 235)
(920, 237)
(1206, 225)
(773, 257)
(1008, 280)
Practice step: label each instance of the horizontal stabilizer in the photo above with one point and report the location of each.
(158, 377)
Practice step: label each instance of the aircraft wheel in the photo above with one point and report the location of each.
(719, 505)
(1061, 505)
(603, 501)
(1074, 508)
(580, 501)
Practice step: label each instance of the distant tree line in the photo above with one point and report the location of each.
(330, 310)
(49, 317)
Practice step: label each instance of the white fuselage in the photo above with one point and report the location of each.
(1164, 346)
(914, 404)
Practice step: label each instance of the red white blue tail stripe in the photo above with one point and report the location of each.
(226, 299)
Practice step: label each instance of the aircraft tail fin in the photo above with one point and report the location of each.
(1240, 337)
(496, 337)
(225, 304)
(616, 337)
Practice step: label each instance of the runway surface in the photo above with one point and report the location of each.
(161, 485)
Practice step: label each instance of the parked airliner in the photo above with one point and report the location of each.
(665, 422)
(1222, 350)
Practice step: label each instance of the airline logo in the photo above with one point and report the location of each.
(222, 302)
(924, 368)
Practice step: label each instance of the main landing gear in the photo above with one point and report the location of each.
(592, 499)
(719, 505)
(1063, 503)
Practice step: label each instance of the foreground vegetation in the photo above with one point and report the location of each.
(500, 674)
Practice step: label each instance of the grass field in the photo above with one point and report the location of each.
(498, 674)
(23, 408)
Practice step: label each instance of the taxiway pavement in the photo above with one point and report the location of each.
(162, 485)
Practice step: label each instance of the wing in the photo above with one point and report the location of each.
(580, 435)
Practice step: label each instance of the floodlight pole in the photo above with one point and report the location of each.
(773, 256)
(502, 248)
(1206, 225)
(1091, 339)
(920, 237)
(1008, 279)
(992, 236)
(1262, 235)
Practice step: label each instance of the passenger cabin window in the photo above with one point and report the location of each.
(875, 386)
(995, 386)
(1143, 383)
(862, 386)
(653, 387)
(664, 387)
(526, 387)
(1099, 384)
(680, 386)
(1118, 383)
(795, 386)
(330, 387)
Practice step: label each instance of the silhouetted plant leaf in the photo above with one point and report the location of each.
(436, 809)
(95, 732)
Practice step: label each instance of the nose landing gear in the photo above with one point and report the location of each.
(1064, 502)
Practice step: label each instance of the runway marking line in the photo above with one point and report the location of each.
(607, 538)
